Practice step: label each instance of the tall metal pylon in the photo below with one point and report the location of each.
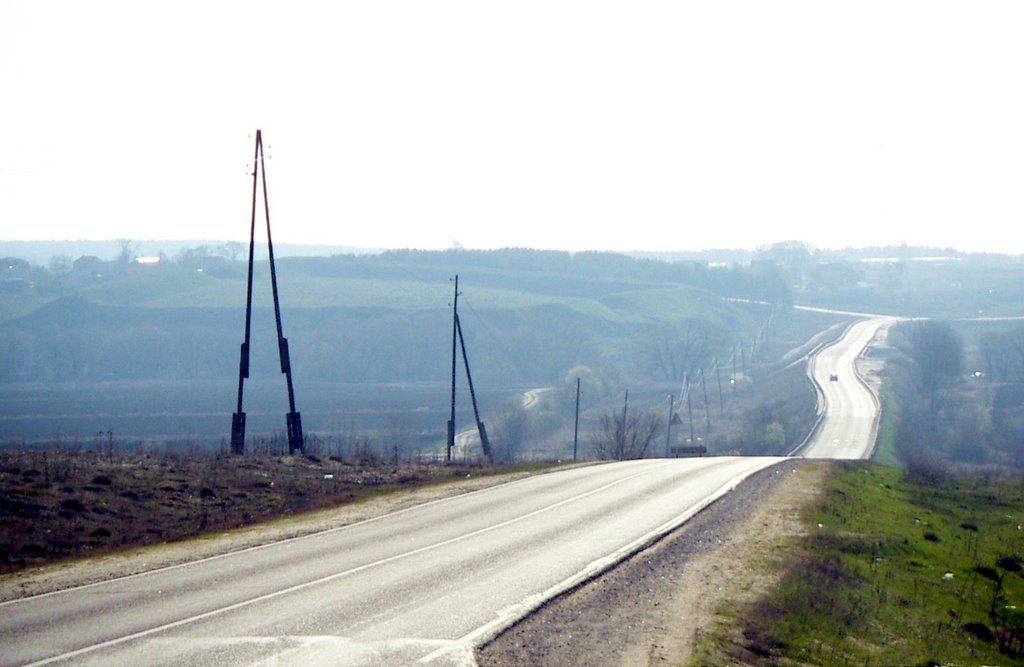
(293, 418)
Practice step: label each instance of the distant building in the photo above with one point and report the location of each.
(692, 263)
(12, 267)
(763, 265)
(15, 275)
(89, 267)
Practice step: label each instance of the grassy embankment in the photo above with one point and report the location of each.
(897, 567)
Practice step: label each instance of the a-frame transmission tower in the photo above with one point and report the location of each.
(294, 419)
(457, 342)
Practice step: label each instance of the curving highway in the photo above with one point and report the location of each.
(847, 406)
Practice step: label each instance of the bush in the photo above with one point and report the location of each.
(925, 472)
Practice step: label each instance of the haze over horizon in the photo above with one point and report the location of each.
(552, 125)
(154, 245)
(150, 243)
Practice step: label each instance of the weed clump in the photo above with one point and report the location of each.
(818, 586)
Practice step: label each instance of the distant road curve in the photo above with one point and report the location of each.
(848, 409)
(531, 397)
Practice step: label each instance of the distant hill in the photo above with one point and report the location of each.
(529, 316)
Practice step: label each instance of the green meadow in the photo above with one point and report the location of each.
(914, 566)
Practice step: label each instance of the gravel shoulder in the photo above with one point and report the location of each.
(649, 609)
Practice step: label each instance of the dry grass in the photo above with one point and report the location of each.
(58, 504)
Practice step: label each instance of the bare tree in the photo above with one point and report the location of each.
(1003, 353)
(676, 349)
(397, 435)
(1015, 350)
(509, 431)
(624, 435)
(232, 250)
(127, 251)
(796, 257)
(60, 265)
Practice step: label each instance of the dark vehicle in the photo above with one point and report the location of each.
(833, 377)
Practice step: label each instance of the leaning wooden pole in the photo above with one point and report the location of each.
(485, 444)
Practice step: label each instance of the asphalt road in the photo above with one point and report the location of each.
(849, 421)
(420, 586)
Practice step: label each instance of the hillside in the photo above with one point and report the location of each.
(370, 337)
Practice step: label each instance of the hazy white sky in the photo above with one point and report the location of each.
(569, 125)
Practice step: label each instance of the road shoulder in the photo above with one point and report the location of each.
(649, 609)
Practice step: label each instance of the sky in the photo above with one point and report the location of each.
(587, 125)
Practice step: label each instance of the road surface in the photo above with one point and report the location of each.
(849, 409)
(420, 586)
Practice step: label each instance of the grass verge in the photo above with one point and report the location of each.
(899, 567)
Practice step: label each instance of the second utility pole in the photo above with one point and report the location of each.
(455, 333)
(458, 340)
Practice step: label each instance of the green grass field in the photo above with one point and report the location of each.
(899, 567)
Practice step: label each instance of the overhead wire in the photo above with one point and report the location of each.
(494, 332)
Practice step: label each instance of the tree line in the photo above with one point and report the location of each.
(954, 402)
